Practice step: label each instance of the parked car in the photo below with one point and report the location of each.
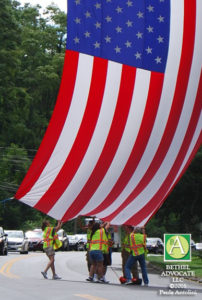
(17, 241)
(64, 239)
(3, 242)
(155, 245)
(198, 246)
(77, 242)
(35, 239)
(82, 241)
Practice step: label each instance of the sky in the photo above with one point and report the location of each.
(62, 4)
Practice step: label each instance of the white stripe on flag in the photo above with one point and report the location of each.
(129, 136)
(169, 160)
(174, 55)
(97, 142)
(68, 133)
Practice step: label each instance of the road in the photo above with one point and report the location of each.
(20, 279)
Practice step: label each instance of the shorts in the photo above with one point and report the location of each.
(96, 255)
(49, 251)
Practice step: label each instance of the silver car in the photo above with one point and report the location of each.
(17, 241)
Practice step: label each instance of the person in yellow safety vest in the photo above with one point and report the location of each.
(138, 248)
(88, 229)
(50, 244)
(125, 253)
(98, 243)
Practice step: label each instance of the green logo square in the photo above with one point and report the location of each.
(177, 247)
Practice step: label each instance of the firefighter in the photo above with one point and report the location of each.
(138, 249)
(125, 253)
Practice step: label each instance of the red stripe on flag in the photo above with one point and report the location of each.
(163, 191)
(177, 105)
(154, 94)
(111, 144)
(197, 145)
(82, 140)
(55, 126)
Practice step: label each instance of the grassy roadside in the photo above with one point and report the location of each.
(195, 264)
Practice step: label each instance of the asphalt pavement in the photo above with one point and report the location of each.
(20, 279)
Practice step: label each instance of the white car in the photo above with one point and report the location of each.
(155, 245)
(77, 242)
(17, 241)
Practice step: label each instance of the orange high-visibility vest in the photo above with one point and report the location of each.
(137, 243)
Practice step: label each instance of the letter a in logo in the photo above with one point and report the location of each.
(177, 244)
(177, 247)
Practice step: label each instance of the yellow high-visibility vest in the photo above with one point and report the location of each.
(126, 243)
(56, 242)
(137, 243)
(50, 240)
(99, 241)
(48, 237)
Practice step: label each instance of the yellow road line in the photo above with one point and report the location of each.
(5, 269)
(89, 297)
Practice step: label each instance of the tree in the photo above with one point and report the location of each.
(31, 62)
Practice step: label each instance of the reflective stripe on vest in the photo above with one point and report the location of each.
(48, 240)
(137, 247)
(101, 241)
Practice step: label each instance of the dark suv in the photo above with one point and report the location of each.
(3, 242)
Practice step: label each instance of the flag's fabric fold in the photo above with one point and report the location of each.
(127, 121)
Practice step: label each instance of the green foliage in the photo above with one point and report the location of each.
(31, 62)
(195, 264)
(182, 210)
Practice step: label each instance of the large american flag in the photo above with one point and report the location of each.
(127, 121)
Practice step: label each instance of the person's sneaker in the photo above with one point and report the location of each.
(89, 278)
(56, 277)
(146, 284)
(105, 280)
(102, 280)
(44, 275)
(128, 282)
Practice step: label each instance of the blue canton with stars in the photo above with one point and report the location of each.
(131, 32)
